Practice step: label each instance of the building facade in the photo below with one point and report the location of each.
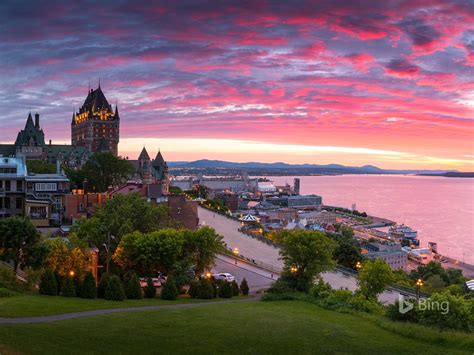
(96, 126)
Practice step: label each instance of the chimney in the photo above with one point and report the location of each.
(50, 142)
(37, 120)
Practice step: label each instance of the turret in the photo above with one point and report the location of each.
(37, 120)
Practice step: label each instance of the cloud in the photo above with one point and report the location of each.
(402, 68)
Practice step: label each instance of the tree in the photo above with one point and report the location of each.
(7, 278)
(202, 246)
(114, 290)
(103, 170)
(225, 290)
(235, 288)
(48, 285)
(150, 290)
(40, 167)
(347, 250)
(68, 289)
(89, 287)
(18, 239)
(305, 255)
(104, 281)
(205, 290)
(169, 291)
(374, 276)
(244, 287)
(65, 256)
(132, 287)
(193, 288)
(434, 283)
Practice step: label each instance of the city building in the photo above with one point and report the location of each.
(12, 186)
(81, 205)
(96, 126)
(154, 171)
(391, 253)
(183, 211)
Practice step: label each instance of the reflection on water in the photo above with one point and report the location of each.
(440, 209)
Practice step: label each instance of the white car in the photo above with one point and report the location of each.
(224, 276)
(156, 282)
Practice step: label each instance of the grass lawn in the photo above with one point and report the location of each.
(40, 305)
(239, 328)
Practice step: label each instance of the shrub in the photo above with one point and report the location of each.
(193, 288)
(89, 287)
(150, 290)
(338, 299)
(225, 290)
(286, 296)
(104, 281)
(206, 290)
(244, 287)
(4, 292)
(68, 289)
(48, 285)
(132, 287)
(7, 278)
(235, 288)
(321, 290)
(114, 290)
(393, 312)
(169, 291)
(359, 302)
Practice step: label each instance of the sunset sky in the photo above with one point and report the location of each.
(388, 83)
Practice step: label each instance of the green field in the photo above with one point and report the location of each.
(238, 328)
(39, 305)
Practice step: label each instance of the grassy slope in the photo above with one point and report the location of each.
(39, 305)
(240, 328)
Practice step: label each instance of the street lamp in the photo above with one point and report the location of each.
(358, 265)
(72, 273)
(293, 269)
(236, 253)
(208, 275)
(419, 284)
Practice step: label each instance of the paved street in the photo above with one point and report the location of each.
(255, 249)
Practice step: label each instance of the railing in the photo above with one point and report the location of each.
(258, 263)
(20, 274)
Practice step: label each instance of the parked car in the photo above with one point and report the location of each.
(224, 276)
(157, 281)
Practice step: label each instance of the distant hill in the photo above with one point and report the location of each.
(288, 169)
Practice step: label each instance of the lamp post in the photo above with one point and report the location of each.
(293, 269)
(236, 253)
(358, 265)
(107, 249)
(419, 284)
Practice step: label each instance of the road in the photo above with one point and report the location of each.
(255, 249)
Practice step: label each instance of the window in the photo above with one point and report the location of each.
(7, 203)
(81, 207)
(19, 203)
(19, 185)
(38, 212)
(7, 185)
(45, 186)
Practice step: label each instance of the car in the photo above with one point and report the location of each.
(224, 276)
(157, 281)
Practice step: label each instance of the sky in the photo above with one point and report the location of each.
(388, 83)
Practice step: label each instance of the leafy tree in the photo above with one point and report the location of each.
(7, 278)
(104, 281)
(225, 290)
(68, 289)
(305, 254)
(205, 290)
(114, 290)
(132, 287)
(235, 288)
(434, 283)
(169, 291)
(65, 256)
(347, 252)
(202, 246)
(40, 167)
(175, 190)
(103, 170)
(89, 287)
(150, 290)
(244, 287)
(374, 277)
(18, 239)
(48, 285)
(193, 288)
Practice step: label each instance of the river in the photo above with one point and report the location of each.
(440, 209)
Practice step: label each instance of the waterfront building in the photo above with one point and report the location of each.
(392, 254)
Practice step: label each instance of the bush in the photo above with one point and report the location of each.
(206, 290)
(338, 299)
(225, 290)
(114, 290)
(48, 285)
(104, 281)
(89, 287)
(393, 312)
(68, 289)
(193, 288)
(235, 288)
(321, 290)
(132, 287)
(4, 292)
(169, 291)
(244, 287)
(7, 278)
(358, 302)
(150, 290)
(286, 296)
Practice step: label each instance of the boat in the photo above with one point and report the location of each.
(404, 233)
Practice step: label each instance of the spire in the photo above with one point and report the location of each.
(159, 159)
(99, 82)
(116, 110)
(144, 155)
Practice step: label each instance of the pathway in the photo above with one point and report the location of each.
(96, 312)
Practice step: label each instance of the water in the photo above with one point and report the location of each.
(440, 209)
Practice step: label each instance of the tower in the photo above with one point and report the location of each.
(160, 171)
(96, 126)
